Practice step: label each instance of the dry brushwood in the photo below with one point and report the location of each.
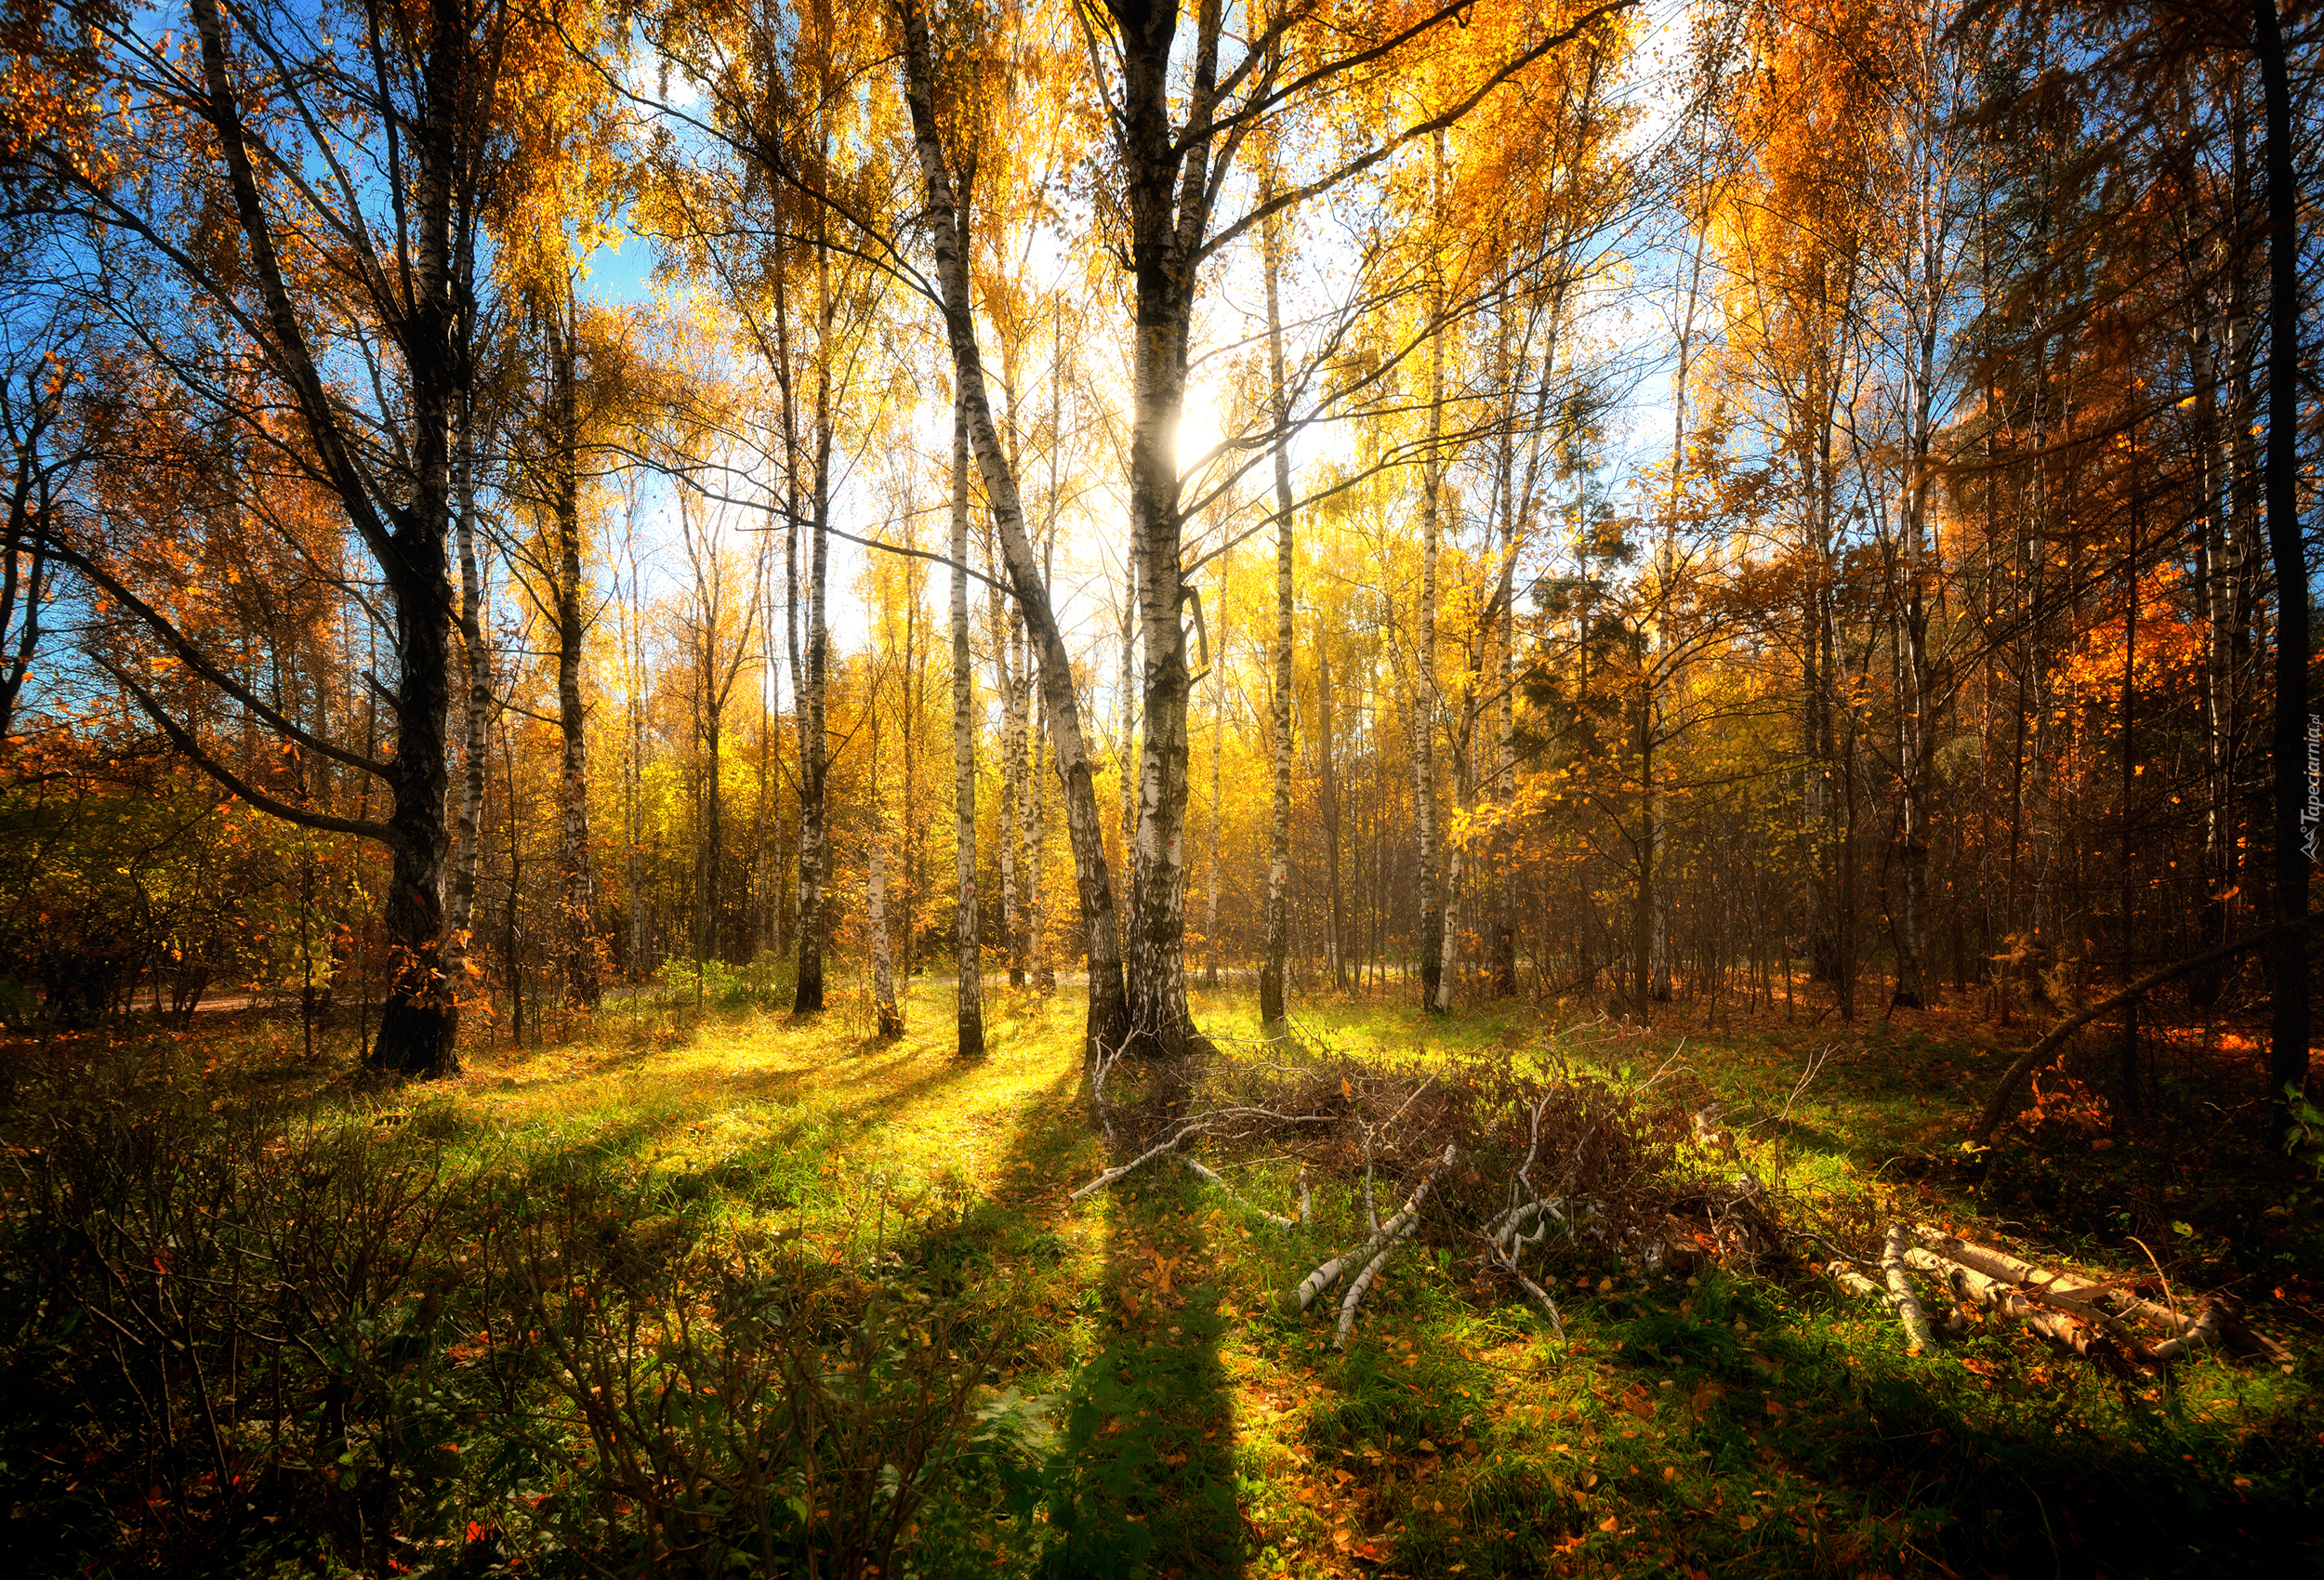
(1513, 1166)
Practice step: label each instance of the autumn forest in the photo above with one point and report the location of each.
(779, 751)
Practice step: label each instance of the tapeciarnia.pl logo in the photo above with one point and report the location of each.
(2313, 814)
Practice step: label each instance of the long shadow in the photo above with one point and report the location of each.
(1144, 1482)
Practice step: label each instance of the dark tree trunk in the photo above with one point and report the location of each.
(578, 932)
(2295, 835)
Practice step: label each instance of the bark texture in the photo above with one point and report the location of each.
(970, 1020)
(1271, 972)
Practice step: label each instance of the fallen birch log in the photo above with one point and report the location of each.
(2062, 1290)
(1185, 1134)
(1907, 1305)
(1968, 1283)
(2011, 1285)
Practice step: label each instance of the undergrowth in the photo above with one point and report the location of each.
(738, 1297)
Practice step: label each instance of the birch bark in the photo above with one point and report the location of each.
(970, 1020)
(1271, 972)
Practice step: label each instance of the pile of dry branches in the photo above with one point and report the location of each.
(1531, 1170)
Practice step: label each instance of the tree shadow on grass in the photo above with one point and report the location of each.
(1140, 1482)
(1148, 1484)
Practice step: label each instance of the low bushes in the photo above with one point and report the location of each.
(379, 1342)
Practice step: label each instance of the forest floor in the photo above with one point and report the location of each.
(1736, 1423)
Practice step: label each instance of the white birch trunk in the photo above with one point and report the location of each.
(970, 1018)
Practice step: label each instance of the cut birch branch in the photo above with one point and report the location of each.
(1539, 1294)
(1852, 1281)
(2203, 1330)
(1185, 1134)
(1363, 1281)
(1325, 1276)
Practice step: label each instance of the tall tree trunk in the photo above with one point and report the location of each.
(1502, 850)
(1642, 909)
(1916, 743)
(888, 1019)
(1210, 857)
(1005, 803)
(579, 930)
(914, 704)
(2295, 730)
(474, 716)
(1330, 789)
(970, 1018)
(1041, 966)
(814, 754)
(2216, 583)
(1425, 693)
(1127, 752)
(1028, 818)
(1271, 972)
(410, 536)
(1014, 834)
(1465, 796)
(1108, 1023)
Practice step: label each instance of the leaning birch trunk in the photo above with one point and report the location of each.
(1108, 1022)
(1271, 973)
(970, 1019)
(2005, 1089)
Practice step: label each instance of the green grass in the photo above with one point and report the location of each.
(1169, 1421)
